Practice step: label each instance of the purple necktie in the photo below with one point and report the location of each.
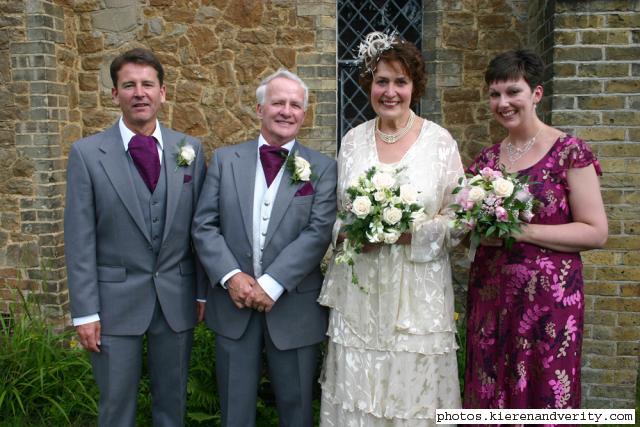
(272, 159)
(144, 152)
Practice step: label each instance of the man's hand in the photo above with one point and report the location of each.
(89, 335)
(200, 310)
(240, 286)
(259, 300)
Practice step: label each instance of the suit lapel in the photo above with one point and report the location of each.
(116, 165)
(284, 196)
(244, 173)
(175, 178)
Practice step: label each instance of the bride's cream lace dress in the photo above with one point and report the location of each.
(391, 357)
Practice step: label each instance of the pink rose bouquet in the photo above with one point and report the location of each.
(492, 204)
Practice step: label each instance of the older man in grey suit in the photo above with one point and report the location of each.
(131, 193)
(261, 228)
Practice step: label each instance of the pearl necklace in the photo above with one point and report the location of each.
(515, 153)
(392, 138)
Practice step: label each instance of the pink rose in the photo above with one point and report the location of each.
(501, 214)
(487, 172)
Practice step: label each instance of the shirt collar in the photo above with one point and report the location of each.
(127, 134)
(288, 145)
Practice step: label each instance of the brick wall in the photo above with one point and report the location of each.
(595, 96)
(35, 110)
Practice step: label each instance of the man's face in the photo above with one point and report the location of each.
(140, 96)
(283, 111)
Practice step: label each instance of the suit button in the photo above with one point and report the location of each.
(155, 274)
(265, 218)
(264, 233)
(155, 220)
(267, 203)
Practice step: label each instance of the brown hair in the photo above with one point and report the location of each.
(513, 64)
(408, 55)
(136, 56)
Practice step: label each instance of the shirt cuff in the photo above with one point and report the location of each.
(226, 277)
(270, 286)
(201, 300)
(77, 321)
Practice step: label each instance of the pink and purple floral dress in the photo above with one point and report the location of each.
(525, 306)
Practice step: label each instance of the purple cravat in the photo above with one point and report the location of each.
(144, 152)
(272, 159)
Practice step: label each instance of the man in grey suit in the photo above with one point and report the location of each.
(261, 228)
(132, 272)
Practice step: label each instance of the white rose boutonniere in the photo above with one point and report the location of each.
(185, 155)
(300, 169)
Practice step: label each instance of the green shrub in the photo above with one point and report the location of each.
(43, 379)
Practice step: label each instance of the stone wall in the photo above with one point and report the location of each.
(596, 86)
(459, 39)
(36, 64)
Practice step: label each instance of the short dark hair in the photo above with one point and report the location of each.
(411, 60)
(513, 64)
(136, 56)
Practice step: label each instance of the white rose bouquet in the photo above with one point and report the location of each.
(379, 209)
(492, 204)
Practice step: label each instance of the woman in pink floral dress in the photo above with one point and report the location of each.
(526, 305)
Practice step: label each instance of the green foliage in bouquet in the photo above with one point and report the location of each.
(493, 204)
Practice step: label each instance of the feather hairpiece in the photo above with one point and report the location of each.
(374, 44)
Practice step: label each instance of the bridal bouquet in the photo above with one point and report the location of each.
(380, 207)
(492, 204)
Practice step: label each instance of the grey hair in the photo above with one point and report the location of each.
(261, 92)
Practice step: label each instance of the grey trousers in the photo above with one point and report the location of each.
(117, 369)
(238, 370)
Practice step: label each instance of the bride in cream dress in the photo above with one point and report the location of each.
(391, 356)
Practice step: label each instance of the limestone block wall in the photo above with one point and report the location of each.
(596, 82)
(459, 39)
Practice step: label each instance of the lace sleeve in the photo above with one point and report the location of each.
(433, 234)
(344, 159)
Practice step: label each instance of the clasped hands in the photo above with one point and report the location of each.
(246, 292)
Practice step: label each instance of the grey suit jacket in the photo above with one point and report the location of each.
(111, 267)
(297, 238)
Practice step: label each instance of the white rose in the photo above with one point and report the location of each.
(408, 194)
(188, 153)
(379, 196)
(391, 215)
(303, 168)
(383, 180)
(476, 194)
(391, 237)
(361, 206)
(502, 187)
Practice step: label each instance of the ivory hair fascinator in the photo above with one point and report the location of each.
(374, 44)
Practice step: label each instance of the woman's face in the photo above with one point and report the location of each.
(513, 103)
(391, 91)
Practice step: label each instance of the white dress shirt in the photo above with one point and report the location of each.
(263, 198)
(126, 135)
